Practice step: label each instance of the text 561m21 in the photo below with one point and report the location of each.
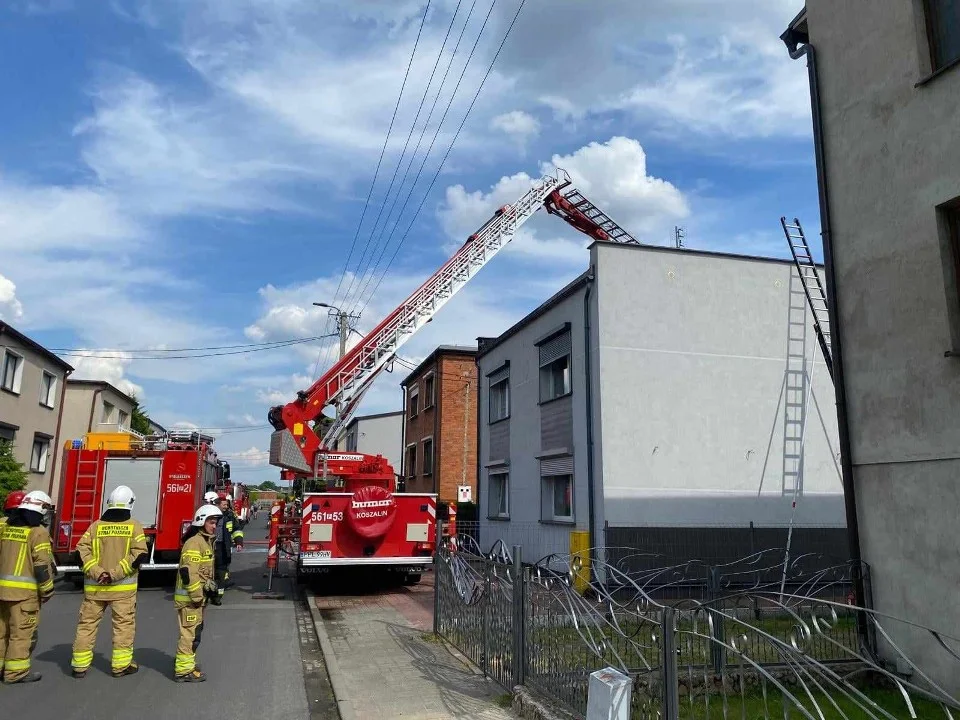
(324, 516)
(179, 487)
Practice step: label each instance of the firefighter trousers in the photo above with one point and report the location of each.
(221, 573)
(191, 629)
(18, 636)
(123, 614)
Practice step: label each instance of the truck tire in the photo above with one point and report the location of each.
(411, 578)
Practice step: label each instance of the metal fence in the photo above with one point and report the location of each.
(757, 638)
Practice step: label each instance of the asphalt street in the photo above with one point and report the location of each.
(261, 657)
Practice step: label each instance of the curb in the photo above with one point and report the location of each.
(344, 704)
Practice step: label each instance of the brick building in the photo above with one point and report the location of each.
(440, 423)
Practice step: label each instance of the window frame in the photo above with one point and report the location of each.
(549, 482)
(503, 476)
(423, 443)
(410, 469)
(429, 390)
(105, 416)
(568, 384)
(40, 467)
(413, 401)
(932, 23)
(948, 215)
(16, 381)
(123, 419)
(50, 400)
(490, 403)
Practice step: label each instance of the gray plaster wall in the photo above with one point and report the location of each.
(692, 355)
(524, 527)
(379, 435)
(892, 157)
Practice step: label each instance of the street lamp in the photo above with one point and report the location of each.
(343, 323)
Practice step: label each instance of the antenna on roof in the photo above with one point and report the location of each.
(679, 234)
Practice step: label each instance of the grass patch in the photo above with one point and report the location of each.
(504, 701)
(431, 638)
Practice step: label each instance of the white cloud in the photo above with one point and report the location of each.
(252, 456)
(11, 309)
(518, 125)
(109, 369)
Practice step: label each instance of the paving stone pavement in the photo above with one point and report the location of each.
(391, 666)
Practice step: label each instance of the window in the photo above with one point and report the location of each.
(107, 416)
(124, 420)
(555, 379)
(428, 456)
(943, 32)
(500, 400)
(953, 229)
(412, 461)
(12, 372)
(499, 495)
(558, 492)
(48, 388)
(352, 440)
(428, 390)
(414, 402)
(38, 458)
(8, 433)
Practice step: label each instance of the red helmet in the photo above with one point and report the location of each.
(222, 496)
(14, 499)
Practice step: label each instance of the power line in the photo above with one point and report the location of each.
(186, 349)
(450, 147)
(376, 174)
(113, 355)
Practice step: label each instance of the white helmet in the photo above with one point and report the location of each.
(205, 512)
(122, 498)
(210, 497)
(36, 500)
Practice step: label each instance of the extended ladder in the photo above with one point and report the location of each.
(795, 389)
(812, 286)
(574, 208)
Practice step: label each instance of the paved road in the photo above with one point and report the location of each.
(261, 658)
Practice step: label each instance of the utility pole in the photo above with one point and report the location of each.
(343, 324)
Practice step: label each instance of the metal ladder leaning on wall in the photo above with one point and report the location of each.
(812, 286)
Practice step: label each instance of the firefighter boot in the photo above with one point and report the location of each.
(21, 618)
(124, 615)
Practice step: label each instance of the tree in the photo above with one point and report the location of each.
(139, 420)
(269, 485)
(12, 475)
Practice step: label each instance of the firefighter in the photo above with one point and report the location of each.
(26, 582)
(10, 504)
(227, 536)
(195, 584)
(111, 550)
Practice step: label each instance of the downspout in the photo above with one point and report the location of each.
(437, 396)
(403, 439)
(589, 402)
(93, 406)
(56, 437)
(476, 499)
(798, 45)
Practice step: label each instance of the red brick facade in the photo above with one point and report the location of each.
(443, 393)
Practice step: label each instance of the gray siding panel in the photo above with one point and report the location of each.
(499, 443)
(556, 424)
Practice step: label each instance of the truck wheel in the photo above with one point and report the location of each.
(411, 578)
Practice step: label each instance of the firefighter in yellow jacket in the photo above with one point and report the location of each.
(111, 551)
(26, 582)
(195, 584)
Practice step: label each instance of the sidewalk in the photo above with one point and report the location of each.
(384, 662)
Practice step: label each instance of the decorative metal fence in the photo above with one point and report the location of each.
(757, 638)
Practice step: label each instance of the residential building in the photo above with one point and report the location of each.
(661, 401)
(440, 423)
(884, 93)
(156, 428)
(380, 434)
(31, 403)
(92, 406)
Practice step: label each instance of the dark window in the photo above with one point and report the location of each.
(412, 461)
(38, 458)
(499, 495)
(953, 227)
(428, 456)
(414, 403)
(500, 400)
(12, 372)
(555, 379)
(558, 497)
(943, 31)
(428, 388)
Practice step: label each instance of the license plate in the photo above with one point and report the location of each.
(316, 554)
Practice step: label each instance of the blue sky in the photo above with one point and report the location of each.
(190, 173)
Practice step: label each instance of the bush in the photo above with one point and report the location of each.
(12, 475)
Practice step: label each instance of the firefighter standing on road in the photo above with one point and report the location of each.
(26, 582)
(228, 535)
(195, 584)
(111, 551)
(10, 504)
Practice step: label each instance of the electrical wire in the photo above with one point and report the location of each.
(120, 354)
(376, 174)
(186, 349)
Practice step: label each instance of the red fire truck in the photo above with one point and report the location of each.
(360, 519)
(168, 473)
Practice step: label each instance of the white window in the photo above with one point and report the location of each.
(555, 379)
(429, 386)
(12, 372)
(107, 417)
(500, 400)
(38, 458)
(414, 402)
(558, 492)
(499, 495)
(428, 456)
(123, 420)
(48, 389)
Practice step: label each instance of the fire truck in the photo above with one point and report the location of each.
(359, 519)
(168, 473)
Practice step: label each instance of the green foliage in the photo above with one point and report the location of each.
(139, 420)
(268, 485)
(12, 475)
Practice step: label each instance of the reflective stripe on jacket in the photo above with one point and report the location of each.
(196, 568)
(112, 548)
(26, 563)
